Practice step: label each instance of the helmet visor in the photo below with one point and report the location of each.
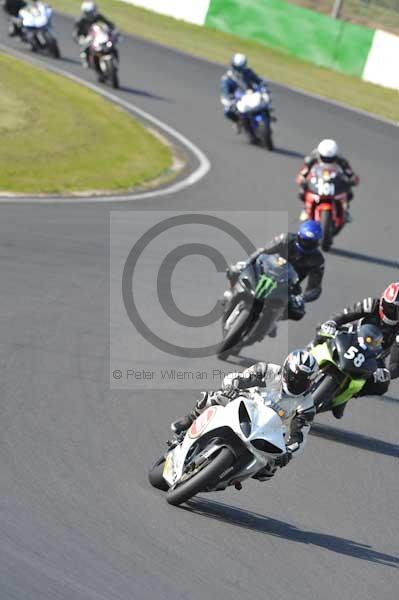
(308, 244)
(296, 383)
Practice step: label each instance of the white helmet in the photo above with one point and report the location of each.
(88, 8)
(239, 62)
(327, 150)
(298, 372)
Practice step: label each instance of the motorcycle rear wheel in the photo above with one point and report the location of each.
(327, 227)
(206, 478)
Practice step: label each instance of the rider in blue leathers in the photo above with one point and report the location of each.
(238, 76)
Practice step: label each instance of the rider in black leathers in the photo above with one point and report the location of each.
(384, 313)
(88, 18)
(307, 261)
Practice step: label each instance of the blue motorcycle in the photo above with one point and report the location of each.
(253, 108)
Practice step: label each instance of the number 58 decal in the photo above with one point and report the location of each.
(354, 354)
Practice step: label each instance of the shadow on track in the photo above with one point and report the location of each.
(376, 260)
(143, 93)
(289, 153)
(389, 399)
(260, 523)
(357, 440)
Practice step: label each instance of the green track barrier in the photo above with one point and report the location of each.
(305, 34)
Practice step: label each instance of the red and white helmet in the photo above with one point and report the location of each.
(389, 304)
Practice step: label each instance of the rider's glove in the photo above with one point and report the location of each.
(381, 375)
(230, 390)
(234, 270)
(328, 329)
(283, 459)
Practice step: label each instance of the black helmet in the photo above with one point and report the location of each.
(298, 372)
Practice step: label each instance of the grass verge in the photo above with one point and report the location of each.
(274, 65)
(58, 137)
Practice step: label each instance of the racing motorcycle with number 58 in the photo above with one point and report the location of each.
(346, 363)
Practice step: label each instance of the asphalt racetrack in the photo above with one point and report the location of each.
(78, 520)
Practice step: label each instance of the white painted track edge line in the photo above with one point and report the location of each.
(191, 179)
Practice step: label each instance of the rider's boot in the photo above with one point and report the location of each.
(338, 411)
(348, 217)
(83, 60)
(185, 422)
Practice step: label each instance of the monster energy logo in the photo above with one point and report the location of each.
(264, 287)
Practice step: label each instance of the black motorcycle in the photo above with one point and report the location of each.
(259, 298)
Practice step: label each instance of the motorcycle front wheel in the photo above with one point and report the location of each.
(234, 333)
(206, 478)
(113, 75)
(155, 475)
(324, 395)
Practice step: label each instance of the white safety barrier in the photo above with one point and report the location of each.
(382, 65)
(192, 11)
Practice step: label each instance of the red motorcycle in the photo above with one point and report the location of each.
(326, 199)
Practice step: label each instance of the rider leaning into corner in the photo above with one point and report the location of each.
(384, 313)
(326, 152)
(288, 387)
(89, 16)
(302, 251)
(239, 76)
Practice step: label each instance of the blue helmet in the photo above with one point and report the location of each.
(309, 236)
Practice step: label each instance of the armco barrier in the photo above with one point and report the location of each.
(372, 55)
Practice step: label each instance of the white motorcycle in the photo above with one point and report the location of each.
(224, 446)
(253, 107)
(103, 56)
(36, 30)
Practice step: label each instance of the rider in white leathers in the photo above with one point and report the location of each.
(288, 388)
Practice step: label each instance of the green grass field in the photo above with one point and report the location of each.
(57, 136)
(219, 47)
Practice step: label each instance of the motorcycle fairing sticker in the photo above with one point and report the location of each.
(265, 286)
(202, 422)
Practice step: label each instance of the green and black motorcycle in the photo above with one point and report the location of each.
(258, 299)
(346, 363)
